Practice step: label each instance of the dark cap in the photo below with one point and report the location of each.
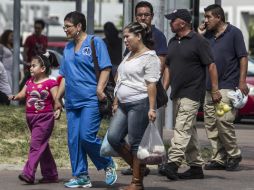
(183, 14)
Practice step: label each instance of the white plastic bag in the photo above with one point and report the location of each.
(151, 149)
(238, 99)
(106, 148)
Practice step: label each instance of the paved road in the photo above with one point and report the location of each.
(214, 180)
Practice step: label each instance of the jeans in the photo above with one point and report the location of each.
(130, 118)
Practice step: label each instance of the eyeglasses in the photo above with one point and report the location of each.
(144, 14)
(67, 27)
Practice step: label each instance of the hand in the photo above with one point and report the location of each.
(58, 104)
(11, 97)
(114, 108)
(101, 95)
(202, 28)
(216, 96)
(152, 114)
(243, 87)
(57, 114)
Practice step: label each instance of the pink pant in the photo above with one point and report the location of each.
(41, 126)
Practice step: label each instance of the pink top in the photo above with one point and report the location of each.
(38, 96)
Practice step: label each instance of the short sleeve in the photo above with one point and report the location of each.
(239, 44)
(102, 53)
(161, 44)
(28, 42)
(152, 68)
(205, 52)
(52, 83)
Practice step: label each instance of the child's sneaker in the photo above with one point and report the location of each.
(81, 181)
(111, 175)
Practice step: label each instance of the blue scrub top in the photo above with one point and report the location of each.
(78, 70)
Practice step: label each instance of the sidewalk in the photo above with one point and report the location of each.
(214, 180)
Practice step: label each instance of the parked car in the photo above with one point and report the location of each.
(248, 110)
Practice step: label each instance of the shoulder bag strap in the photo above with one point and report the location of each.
(95, 60)
(96, 64)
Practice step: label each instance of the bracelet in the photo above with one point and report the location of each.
(214, 92)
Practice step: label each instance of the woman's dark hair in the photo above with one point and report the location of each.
(110, 30)
(5, 36)
(76, 17)
(144, 31)
(216, 10)
(144, 4)
(47, 61)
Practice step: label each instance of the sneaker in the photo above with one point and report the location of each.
(213, 165)
(171, 170)
(26, 179)
(129, 171)
(195, 172)
(233, 163)
(81, 181)
(111, 175)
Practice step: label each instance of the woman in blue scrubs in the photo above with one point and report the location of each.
(82, 92)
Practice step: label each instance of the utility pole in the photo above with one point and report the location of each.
(90, 16)
(79, 5)
(218, 2)
(16, 47)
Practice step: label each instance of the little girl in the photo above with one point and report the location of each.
(40, 92)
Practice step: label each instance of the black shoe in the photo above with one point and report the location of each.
(233, 163)
(129, 171)
(171, 170)
(161, 169)
(195, 172)
(214, 166)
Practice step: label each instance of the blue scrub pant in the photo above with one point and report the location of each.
(83, 125)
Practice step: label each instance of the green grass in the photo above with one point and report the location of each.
(15, 136)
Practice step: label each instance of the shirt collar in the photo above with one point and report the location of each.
(189, 35)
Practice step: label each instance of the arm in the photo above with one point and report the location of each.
(103, 83)
(216, 96)
(21, 95)
(243, 72)
(166, 78)
(115, 105)
(151, 90)
(25, 54)
(162, 61)
(59, 95)
(53, 92)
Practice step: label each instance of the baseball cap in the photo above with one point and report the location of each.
(238, 99)
(183, 14)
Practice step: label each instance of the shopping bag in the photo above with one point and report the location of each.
(106, 148)
(151, 150)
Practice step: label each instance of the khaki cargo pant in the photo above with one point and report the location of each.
(184, 144)
(220, 130)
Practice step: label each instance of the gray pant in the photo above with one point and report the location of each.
(220, 130)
